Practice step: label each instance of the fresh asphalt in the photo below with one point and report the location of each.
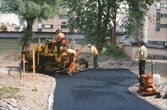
(98, 89)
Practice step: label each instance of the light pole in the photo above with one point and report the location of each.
(40, 24)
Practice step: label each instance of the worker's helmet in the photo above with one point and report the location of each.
(89, 45)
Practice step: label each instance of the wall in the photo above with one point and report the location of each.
(154, 35)
(10, 40)
(40, 37)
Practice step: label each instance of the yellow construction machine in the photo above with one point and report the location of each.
(50, 61)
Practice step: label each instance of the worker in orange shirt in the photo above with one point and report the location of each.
(72, 55)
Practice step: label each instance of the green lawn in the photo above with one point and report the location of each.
(7, 92)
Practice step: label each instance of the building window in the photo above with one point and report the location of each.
(63, 16)
(158, 16)
(163, 25)
(164, 5)
(47, 26)
(158, 6)
(157, 26)
(63, 26)
(163, 15)
(156, 43)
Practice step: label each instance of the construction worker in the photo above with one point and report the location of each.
(142, 58)
(72, 55)
(95, 53)
(73, 44)
(58, 39)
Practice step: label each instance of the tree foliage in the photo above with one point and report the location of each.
(137, 12)
(3, 28)
(29, 11)
(96, 18)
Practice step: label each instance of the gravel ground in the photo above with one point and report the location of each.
(29, 98)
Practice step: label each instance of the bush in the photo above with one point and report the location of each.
(3, 28)
(115, 53)
(119, 54)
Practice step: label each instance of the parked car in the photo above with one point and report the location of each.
(126, 40)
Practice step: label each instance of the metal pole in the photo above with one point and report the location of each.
(14, 70)
(24, 68)
(131, 49)
(152, 66)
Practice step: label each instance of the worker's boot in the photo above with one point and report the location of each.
(68, 72)
(139, 79)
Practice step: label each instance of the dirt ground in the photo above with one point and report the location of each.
(33, 100)
(39, 100)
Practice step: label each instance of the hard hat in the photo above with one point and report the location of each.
(89, 45)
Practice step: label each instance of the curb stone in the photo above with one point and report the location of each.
(51, 96)
(11, 104)
(159, 102)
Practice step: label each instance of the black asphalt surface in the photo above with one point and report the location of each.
(98, 89)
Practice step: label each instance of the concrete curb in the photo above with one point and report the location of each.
(51, 96)
(158, 102)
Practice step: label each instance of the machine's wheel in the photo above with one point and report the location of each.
(15, 74)
(84, 61)
(44, 70)
(39, 69)
(28, 66)
(86, 65)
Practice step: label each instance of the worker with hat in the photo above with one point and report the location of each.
(142, 57)
(72, 57)
(73, 44)
(94, 52)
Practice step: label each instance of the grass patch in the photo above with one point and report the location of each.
(7, 92)
(119, 54)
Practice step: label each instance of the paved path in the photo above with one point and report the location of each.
(100, 89)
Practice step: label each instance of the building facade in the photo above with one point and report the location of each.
(155, 30)
(50, 25)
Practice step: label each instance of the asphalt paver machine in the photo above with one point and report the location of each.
(47, 61)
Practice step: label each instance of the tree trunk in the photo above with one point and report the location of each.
(24, 45)
(27, 35)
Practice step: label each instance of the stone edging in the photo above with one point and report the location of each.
(51, 96)
(158, 102)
